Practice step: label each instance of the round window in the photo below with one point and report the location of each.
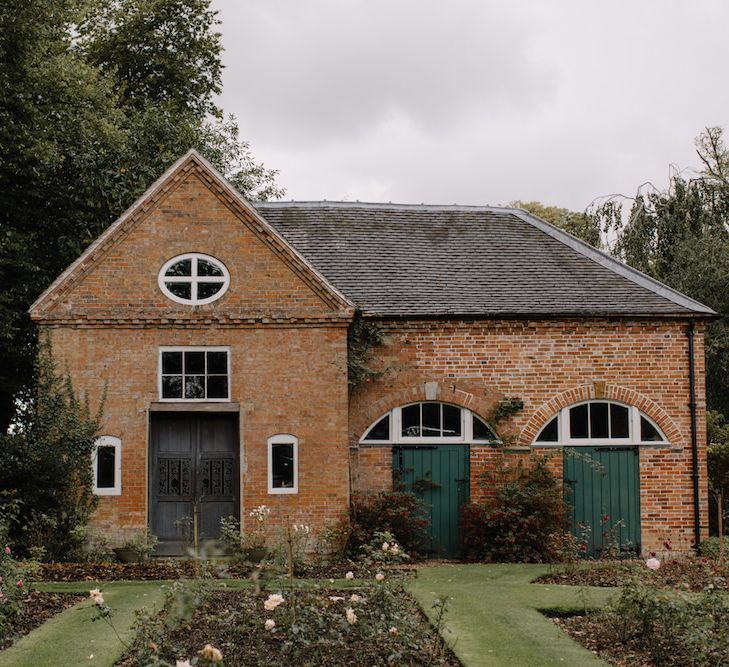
(194, 279)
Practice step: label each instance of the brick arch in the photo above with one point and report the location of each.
(466, 395)
(610, 392)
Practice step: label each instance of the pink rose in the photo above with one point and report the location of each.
(7, 549)
(19, 583)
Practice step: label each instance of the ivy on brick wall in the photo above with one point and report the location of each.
(362, 338)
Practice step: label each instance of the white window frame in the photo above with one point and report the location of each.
(191, 348)
(193, 279)
(634, 417)
(116, 443)
(396, 436)
(283, 439)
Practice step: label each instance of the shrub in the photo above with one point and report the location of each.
(45, 465)
(518, 523)
(674, 628)
(709, 547)
(13, 576)
(400, 513)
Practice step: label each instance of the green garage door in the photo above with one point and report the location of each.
(602, 487)
(439, 475)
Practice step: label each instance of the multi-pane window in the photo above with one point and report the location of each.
(194, 374)
(106, 466)
(429, 421)
(283, 464)
(194, 279)
(600, 421)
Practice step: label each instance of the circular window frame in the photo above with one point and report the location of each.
(193, 279)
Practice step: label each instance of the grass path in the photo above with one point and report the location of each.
(71, 637)
(494, 618)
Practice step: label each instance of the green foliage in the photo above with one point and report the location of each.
(161, 51)
(142, 544)
(680, 236)
(582, 225)
(709, 547)
(718, 452)
(45, 465)
(13, 586)
(402, 514)
(362, 337)
(518, 522)
(506, 408)
(382, 550)
(98, 100)
(674, 628)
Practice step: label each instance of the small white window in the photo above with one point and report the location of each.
(194, 279)
(283, 463)
(106, 465)
(600, 422)
(194, 374)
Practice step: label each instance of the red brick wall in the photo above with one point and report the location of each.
(287, 343)
(549, 365)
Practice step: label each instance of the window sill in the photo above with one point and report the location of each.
(193, 406)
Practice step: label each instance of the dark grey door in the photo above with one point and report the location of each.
(193, 472)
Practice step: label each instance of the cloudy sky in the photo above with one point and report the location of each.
(474, 101)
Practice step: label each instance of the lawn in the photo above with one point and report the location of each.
(495, 616)
(71, 637)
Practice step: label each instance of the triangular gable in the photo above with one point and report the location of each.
(191, 163)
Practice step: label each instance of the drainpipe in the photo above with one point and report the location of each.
(694, 443)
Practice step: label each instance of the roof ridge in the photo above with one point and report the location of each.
(325, 203)
(612, 263)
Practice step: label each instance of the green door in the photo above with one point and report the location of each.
(439, 475)
(602, 487)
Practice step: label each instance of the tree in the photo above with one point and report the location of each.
(160, 51)
(98, 99)
(581, 225)
(680, 236)
(45, 465)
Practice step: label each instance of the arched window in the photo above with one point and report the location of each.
(194, 279)
(600, 422)
(283, 463)
(429, 421)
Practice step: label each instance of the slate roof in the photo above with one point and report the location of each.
(419, 261)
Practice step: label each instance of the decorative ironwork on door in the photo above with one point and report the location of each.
(174, 477)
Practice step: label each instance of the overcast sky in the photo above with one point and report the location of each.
(474, 101)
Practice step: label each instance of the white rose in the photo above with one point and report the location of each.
(355, 598)
(349, 575)
(273, 601)
(385, 546)
(379, 576)
(351, 616)
(270, 624)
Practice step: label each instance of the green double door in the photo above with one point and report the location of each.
(439, 475)
(602, 488)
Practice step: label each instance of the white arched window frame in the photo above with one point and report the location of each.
(106, 447)
(467, 421)
(636, 428)
(203, 270)
(278, 448)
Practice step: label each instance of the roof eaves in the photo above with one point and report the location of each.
(613, 264)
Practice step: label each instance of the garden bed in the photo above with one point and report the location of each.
(37, 608)
(311, 628)
(589, 631)
(166, 569)
(688, 574)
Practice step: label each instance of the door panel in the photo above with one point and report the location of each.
(602, 487)
(193, 464)
(439, 475)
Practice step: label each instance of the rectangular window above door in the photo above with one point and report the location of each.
(194, 374)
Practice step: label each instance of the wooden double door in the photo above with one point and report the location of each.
(194, 478)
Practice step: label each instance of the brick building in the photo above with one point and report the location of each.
(218, 329)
